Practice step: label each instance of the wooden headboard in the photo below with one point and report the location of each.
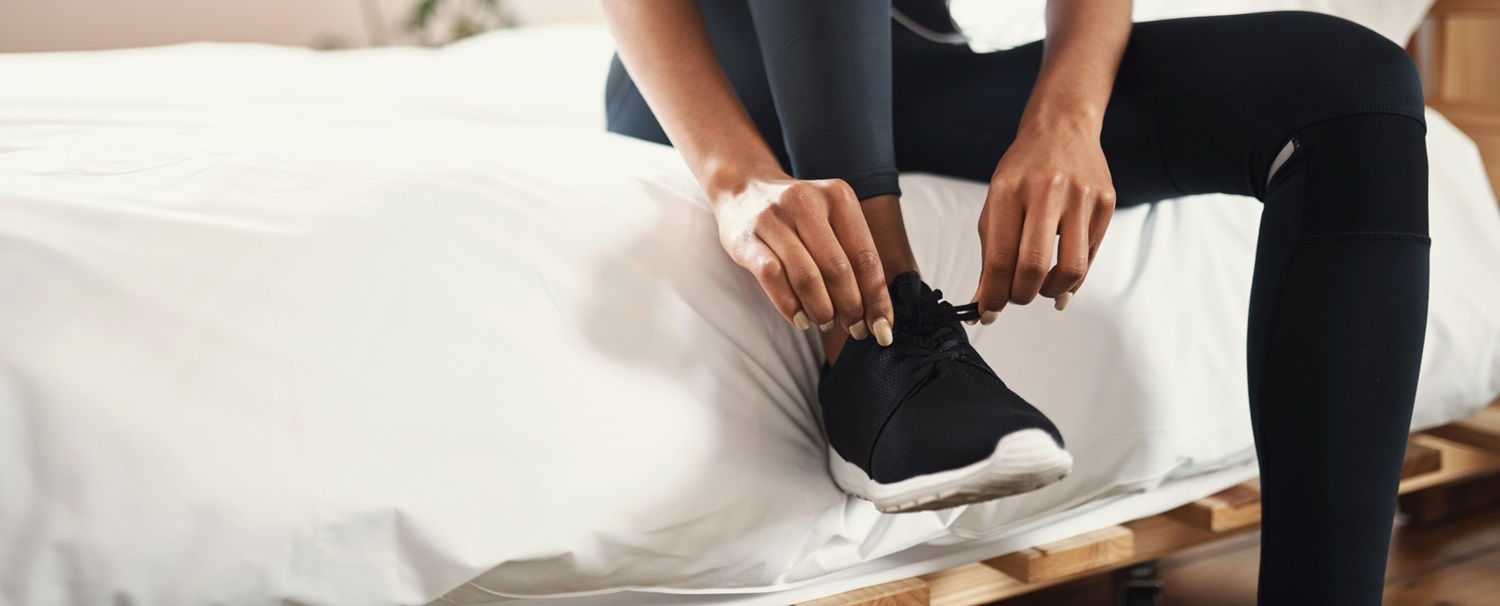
(1458, 53)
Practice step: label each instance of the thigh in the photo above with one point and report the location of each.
(1200, 105)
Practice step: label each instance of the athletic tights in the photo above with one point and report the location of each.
(1338, 303)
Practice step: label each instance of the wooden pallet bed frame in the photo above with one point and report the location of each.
(1449, 470)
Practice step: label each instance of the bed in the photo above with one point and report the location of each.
(405, 326)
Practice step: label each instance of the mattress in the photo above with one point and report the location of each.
(399, 325)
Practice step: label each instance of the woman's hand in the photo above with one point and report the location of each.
(808, 244)
(1053, 182)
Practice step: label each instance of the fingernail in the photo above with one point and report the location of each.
(882, 330)
(859, 331)
(1062, 300)
(801, 321)
(989, 317)
(826, 327)
(971, 322)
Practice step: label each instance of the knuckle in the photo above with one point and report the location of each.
(1072, 272)
(999, 264)
(768, 269)
(866, 262)
(802, 190)
(1107, 197)
(1032, 265)
(804, 278)
(839, 188)
(853, 312)
(1055, 180)
(838, 266)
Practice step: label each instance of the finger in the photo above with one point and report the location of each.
(768, 270)
(838, 272)
(1072, 254)
(802, 273)
(1000, 237)
(1034, 257)
(854, 235)
(1104, 211)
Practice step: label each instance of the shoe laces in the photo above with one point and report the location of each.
(932, 325)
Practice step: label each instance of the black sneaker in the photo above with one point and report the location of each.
(924, 423)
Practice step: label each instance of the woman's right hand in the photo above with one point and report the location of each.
(808, 245)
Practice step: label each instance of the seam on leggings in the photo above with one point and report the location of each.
(1348, 236)
(1374, 110)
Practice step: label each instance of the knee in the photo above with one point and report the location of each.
(1347, 68)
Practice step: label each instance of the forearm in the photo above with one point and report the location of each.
(1085, 40)
(664, 45)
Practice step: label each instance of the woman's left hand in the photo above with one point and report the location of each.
(1052, 185)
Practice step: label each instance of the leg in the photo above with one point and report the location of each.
(1338, 305)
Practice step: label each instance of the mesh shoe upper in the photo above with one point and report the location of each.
(925, 404)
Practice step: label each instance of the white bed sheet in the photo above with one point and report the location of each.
(356, 328)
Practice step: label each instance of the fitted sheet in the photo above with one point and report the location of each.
(365, 327)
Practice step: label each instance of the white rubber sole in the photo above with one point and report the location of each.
(1022, 462)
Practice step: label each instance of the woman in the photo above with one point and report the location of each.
(795, 117)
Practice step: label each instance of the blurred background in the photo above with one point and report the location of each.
(56, 25)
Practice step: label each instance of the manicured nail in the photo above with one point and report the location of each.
(826, 327)
(1062, 301)
(859, 331)
(801, 321)
(989, 317)
(882, 330)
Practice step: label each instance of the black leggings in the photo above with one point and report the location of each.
(1338, 305)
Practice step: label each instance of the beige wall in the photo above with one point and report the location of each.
(41, 25)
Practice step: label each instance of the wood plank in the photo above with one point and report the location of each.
(1465, 6)
(1232, 508)
(1088, 551)
(1460, 462)
(906, 592)
(1420, 459)
(972, 584)
(1481, 430)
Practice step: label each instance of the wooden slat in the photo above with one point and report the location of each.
(1234, 507)
(1439, 504)
(1087, 551)
(1481, 430)
(1466, 6)
(1420, 459)
(1460, 462)
(906, 592)
(972, 584)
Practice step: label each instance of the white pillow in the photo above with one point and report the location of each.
(994, 25)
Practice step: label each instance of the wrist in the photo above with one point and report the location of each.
(725, 179)
(1062, 117)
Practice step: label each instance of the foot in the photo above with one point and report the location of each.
(924, 423)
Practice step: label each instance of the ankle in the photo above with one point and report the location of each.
(883, 215)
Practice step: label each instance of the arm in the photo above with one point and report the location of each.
(805, 241)
(1054, 181)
